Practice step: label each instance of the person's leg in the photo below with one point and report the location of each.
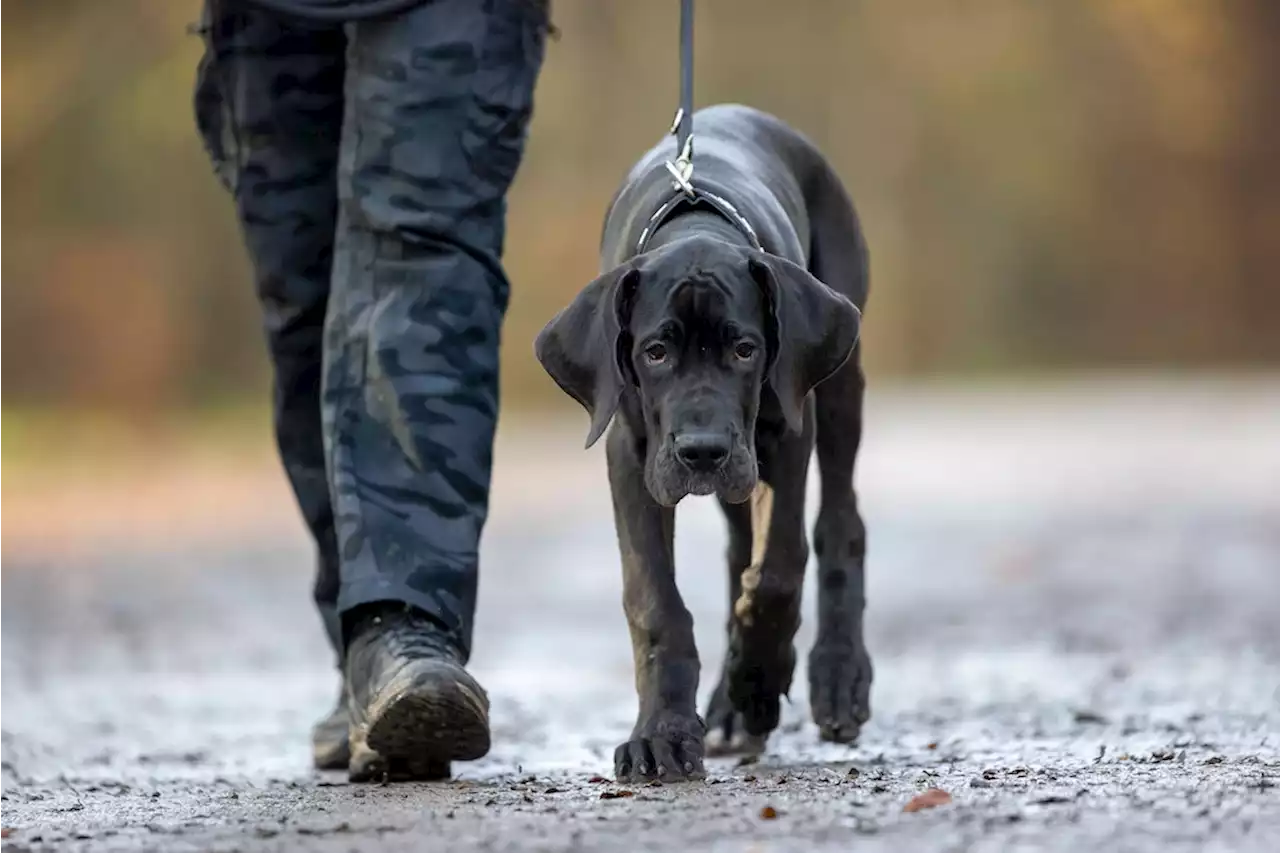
(269, 102)
(438, 103)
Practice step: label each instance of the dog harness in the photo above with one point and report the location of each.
(689, 197)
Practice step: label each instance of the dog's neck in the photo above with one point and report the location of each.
(691, 222)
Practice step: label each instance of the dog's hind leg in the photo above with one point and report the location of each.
(840, 669)
(725, 732)
(761, 657)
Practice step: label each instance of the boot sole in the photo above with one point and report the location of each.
(416, 733)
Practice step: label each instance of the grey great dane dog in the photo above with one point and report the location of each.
(721, 341)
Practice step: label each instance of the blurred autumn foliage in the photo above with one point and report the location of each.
(1057, 184)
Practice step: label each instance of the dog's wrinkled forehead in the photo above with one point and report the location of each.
(697, 286)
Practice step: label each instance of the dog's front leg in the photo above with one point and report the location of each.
(667, 741)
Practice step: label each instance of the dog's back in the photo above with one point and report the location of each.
(775, 176)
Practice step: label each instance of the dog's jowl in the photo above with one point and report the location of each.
(721, 342)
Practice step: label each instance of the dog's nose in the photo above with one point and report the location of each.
(702, 452)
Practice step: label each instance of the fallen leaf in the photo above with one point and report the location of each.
(615, 795)
(596, 780)
(929, 799)
(6, 832)
(1213, 759)
(748, 778)
(768, 813)
(553, 790)
(933, 745)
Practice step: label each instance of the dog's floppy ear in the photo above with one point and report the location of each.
(585, 347)
(811, 331)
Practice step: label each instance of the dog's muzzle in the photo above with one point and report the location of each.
(702, 463)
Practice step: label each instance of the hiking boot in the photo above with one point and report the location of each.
(330, 747)
(413, 708)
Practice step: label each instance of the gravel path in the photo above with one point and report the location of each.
(1074, 614)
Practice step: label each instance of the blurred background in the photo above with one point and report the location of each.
(1048, 189)
(1044, 185)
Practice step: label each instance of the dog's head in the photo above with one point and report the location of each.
(699, 330)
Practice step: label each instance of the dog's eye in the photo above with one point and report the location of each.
(745, 350)
(655, 353)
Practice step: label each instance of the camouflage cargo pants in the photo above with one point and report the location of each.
(369, 164)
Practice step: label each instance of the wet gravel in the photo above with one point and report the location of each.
(1074, 616)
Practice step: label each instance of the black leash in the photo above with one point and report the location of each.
(682, 169)
(684, 119)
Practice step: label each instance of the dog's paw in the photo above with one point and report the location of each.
(668, 747)
(840, 689)
(726, 732)
(758, 673)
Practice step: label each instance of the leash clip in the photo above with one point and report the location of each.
(682, 169)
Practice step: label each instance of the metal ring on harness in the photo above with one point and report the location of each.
(682, 169)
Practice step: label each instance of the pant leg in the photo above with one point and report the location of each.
(438, 104)
(269, 103)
